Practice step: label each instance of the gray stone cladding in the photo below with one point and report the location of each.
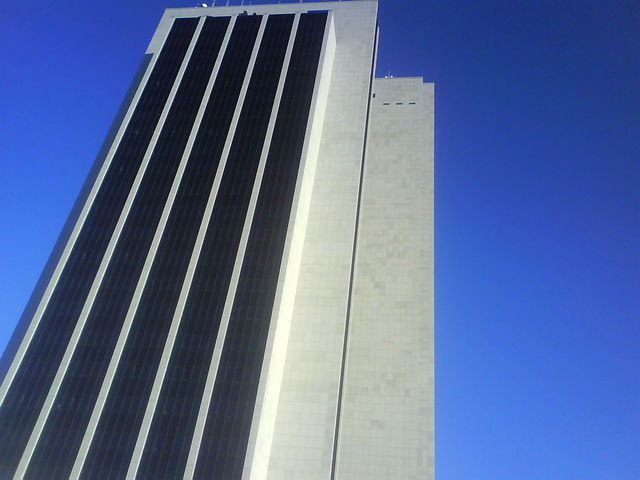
(386, 426)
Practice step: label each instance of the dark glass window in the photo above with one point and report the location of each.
(117, 432)
(170, 435)
(30, 387)
(66, 425)
(230, 413)
(67, 422)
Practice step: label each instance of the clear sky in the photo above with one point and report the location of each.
(537, 206)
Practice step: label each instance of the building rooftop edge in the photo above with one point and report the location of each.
(411, 77)
(260, 4)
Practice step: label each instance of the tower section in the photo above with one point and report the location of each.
(244, 289)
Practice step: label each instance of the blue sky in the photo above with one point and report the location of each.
(537, 206)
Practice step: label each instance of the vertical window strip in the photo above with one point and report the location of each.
(167, 447)
(90, 253)
(227, 428)
(228, 299)
(138, 248)
(196, 195)
(64, 430)
(14, 358)
(115, 437)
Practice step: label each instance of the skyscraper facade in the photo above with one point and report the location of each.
(245, 286)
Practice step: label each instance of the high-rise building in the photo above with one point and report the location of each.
(245, 286)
